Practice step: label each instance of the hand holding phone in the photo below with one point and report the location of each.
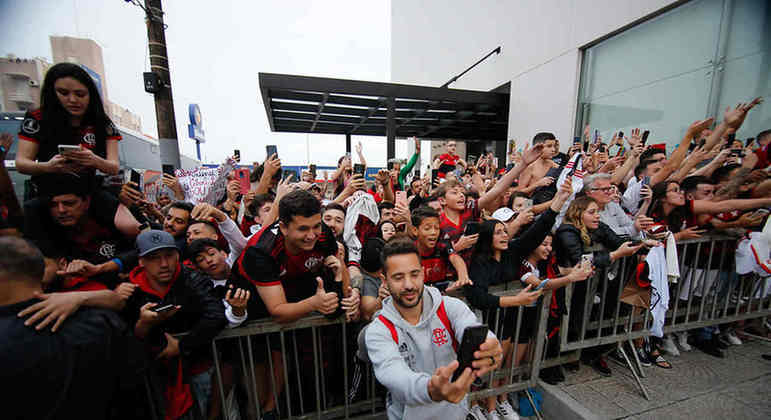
(473, 337)
(645, 135)
(541, 285)
(65, 148)
(358, 169)
(271, 150)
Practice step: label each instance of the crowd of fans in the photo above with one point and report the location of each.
(133, 288)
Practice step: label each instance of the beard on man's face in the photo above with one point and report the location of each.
(405, 300)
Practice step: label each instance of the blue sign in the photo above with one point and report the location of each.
(94, 75)
(195, 128)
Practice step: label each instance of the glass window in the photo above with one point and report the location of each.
(684, 65)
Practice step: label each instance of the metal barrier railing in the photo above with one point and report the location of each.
(313, 364)
(308, 369)
(707, 293)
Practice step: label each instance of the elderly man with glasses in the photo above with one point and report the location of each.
(598, 187)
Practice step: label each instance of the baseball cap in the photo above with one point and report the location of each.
(153, 240)
(504, 214)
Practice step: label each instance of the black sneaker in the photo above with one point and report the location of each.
(270, 415)
(552, 375)
(721, 342)
(601, 366)
(572, 367)
(709, 347)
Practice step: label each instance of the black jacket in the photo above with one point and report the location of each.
(569, 247)
(485, 273)
(201, 315)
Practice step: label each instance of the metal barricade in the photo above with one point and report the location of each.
(308, 369)
(708, 293)
(317, 375)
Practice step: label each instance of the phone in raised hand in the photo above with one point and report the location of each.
(473, 337)
(271, 150)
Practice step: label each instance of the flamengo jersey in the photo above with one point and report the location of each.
(452, 232)
(265, 262)
(436, 264)
(47, 148)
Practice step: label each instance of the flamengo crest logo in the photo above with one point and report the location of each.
(439, 336)
(312, 262)
(89, 139)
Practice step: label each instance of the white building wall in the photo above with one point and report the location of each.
(433, 40)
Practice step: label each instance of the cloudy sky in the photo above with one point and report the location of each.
(216, 49)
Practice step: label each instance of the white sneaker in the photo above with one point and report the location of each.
(506, 411)
(682, 341)
(668, 346)
(493, 415)
(477, 413)
(732, 338)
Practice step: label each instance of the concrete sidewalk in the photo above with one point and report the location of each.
(699, 386)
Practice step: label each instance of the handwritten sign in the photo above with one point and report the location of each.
(205, 185)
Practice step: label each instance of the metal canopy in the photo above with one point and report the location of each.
(303, 104)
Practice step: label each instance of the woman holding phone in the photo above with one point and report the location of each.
(580, 230)
(71, 115)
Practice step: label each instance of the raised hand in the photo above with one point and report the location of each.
(527, 295)
(324, 302)
(440, 388)
(531, 154)
(205, 211)
(238, 300)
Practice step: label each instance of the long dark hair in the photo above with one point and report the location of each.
(55, 119)
(675, 218)
(483, 250)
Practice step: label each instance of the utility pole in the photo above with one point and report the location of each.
(164, 104)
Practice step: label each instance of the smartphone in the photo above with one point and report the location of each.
(702, 142)
(621, 135)
(541, 285)
(737, 152)
(271, 150)
(749, 141)
(163, 308)
(64, 148)
(731, 138)
(136, 178)
(601, 148)
(434, 176)
(168, 169)
(586, 261)
(401, 197)
(358, 168)
(586, 147)
(473, 337)
(416, 174)
(237, 155)
(312, 170)
(596, 136)
(578, 162)
(472, 228)
(761, 213)
(646, 180)
(645, 135)
(576, 140)
(635, 243)
(286, 173)
(390, 165)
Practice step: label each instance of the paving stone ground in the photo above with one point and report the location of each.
(698, 387)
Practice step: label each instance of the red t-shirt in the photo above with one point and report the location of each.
(451, 232)
(436, 264)
(448, 163)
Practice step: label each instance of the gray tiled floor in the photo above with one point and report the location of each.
(699, 387)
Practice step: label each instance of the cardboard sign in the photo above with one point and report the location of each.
(205, 185)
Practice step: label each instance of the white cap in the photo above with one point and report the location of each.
(503, 214)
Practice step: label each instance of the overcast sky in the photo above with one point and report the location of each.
(216, 49)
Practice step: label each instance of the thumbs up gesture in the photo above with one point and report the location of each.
(322, 301)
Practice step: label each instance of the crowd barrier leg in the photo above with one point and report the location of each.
(634, 373)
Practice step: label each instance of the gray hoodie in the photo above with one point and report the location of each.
(405, 368)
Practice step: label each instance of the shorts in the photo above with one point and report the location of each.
(508, 325)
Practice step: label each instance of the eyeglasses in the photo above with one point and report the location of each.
(606, 190)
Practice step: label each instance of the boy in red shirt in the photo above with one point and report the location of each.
(437, 256)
